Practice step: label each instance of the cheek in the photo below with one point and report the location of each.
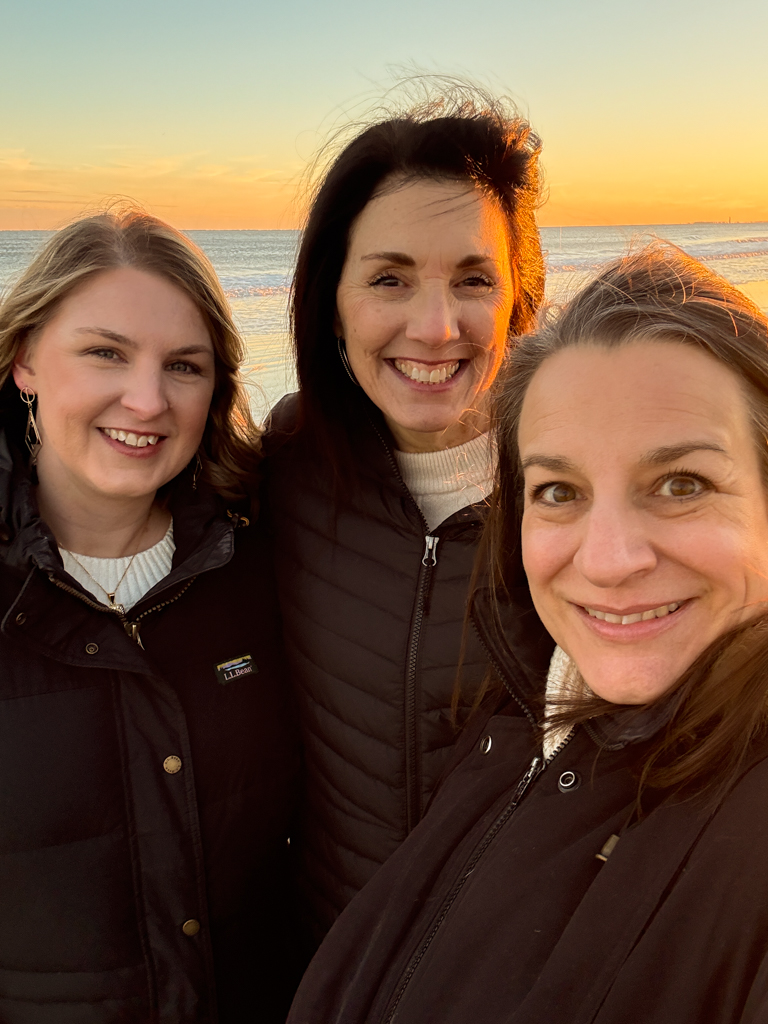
(546, 551)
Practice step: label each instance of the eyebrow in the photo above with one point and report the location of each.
(657, 457)
(673, 452)
(122, 339)
(402, 259)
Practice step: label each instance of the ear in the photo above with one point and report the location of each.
(338, 327)
(21, 368)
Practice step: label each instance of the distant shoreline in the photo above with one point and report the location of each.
(543, 227)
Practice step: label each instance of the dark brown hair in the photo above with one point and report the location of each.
(131, 238)
(657, 293)
(464, 135)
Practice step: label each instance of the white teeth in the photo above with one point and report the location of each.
(437, 376)
(134, 440)
(627, 620)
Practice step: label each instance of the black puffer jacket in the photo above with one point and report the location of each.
(513, 903)
(374, 608)
(144, 796)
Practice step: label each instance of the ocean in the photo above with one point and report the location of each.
(255, 268)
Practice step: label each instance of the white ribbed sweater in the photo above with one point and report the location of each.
(147, 569)
(444, 482)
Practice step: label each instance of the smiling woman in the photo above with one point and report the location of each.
(419, 266)
(597, 854)
(146, 788)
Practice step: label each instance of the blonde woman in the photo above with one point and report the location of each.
(147, 753)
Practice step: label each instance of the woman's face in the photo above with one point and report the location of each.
(645, 531)
(124, 375)
(423, 303)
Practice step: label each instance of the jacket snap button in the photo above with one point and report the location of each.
(172, 764)
(568, 781)
(21, 618)
(191, 927)
(91, 648)
(485, 744)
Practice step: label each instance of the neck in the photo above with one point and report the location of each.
(437, 441)
(101, 526)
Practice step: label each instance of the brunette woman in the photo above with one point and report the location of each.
(147, 754)
(419, 265)
(598, 853)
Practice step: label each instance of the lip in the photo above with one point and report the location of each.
(423, 387)
(634, 631)
(149, 452)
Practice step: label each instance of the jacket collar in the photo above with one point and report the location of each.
(520, 650)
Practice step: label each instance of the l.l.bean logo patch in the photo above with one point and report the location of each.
(228, 671)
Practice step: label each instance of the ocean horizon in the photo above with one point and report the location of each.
(256, 268)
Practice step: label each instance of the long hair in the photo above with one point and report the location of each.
(131, 238)
(463, 135)
(657, 293)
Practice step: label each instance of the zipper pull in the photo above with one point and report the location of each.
(132, 629)
(430, 551)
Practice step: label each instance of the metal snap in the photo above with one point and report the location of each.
(91, 648)
(172, 764)
(21, 618)
(485, 744)
(568, 781)
(191, 927)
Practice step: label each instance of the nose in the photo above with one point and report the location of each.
(615, 546)
(433, 316)
(145, 393)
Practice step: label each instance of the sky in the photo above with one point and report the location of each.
(209, 114)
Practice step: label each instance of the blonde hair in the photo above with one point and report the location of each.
(229, 451)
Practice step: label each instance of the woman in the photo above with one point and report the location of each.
(616, 871)
(147, 746)
(419, 263)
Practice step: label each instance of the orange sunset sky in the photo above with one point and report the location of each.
(650, 113)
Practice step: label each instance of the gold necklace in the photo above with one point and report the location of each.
(119, 608)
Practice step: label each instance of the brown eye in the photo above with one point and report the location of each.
(558, 494)
(680, 487)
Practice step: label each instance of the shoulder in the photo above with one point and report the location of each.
(282, 422)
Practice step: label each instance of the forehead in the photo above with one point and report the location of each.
(134, 303)
(424, 214)
(597, 405)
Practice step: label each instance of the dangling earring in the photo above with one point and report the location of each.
(32, 437)
(197, 470)
(345, 361)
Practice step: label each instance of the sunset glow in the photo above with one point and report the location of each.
(210, 117)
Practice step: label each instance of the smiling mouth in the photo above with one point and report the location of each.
(627, 620)
(130, 438)
(422, 373)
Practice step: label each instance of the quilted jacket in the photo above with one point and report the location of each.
(373, 606)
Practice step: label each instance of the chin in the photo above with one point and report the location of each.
(625, 683)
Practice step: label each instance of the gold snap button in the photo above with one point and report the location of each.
(172, 764)
(91, 648)
(21, 618)
(191, 927)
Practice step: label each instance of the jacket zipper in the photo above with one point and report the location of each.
(412, 773)
(132, 628)
(428, 563)
(534, 769)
